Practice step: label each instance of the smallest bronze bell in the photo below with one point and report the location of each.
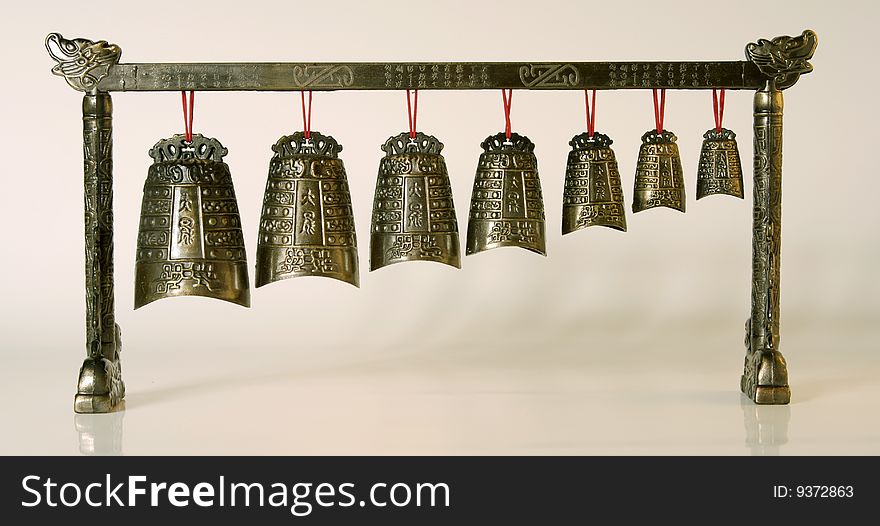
(659, 180)
(720, 170)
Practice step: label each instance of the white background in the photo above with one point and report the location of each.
(616, 343)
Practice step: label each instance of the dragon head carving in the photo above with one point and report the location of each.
(81, 62)
(784, 59)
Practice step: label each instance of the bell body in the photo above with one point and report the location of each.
(659, 179)
(190, 241)
(507, 208)
(413, 212)
(593, 194)
(307, 223)
(720, 170)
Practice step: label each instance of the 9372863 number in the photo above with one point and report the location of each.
(814, 491)
(823, 491)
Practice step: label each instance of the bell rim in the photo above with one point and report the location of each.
(614, 226)
(636, 210)
(456, 264)
(244, 300)
(740, 195)
(355, 280)
(505, 244)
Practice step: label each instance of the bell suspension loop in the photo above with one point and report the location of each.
(188, 114)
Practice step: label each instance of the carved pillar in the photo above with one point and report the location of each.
(765, 379)
(782, 60)
(100, 385)
(83, 63)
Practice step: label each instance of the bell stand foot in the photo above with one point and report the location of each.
(769, 395)
(96, 404)
(765, 378)
(100, 388)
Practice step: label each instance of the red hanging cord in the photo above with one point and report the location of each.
(718, 108)
(591, 113)
(307, 116)
(659, 110)
(188, 114)
(507, 98)
(412, 110)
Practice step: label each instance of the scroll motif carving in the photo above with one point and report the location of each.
(297, 144)
(323, 76)
(584, 140)
(422, 143)
(665, 137)
(499, 142)
(549, 75)
(81, 62)
(177, 148)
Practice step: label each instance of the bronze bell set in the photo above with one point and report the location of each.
(190, 240)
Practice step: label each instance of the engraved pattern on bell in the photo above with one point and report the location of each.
(190, 241)
(593, 195)
(659, 180)
(307, 223)
(507, 207)
(413, 211)
(720, 169)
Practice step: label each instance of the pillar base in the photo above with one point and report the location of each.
(100, 388)
(765, 378)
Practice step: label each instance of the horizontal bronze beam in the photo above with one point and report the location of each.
(430, 75)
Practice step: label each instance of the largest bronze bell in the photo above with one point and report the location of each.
(307, 225)
(507, 208)
(413, 213)
(189, 241)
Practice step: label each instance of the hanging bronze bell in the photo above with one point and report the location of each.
(593, 195)
(720, 170)
(659, 179)
(307, 224)
(190, 241)
(507, 208)
(413, 212)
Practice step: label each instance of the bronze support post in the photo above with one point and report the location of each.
(100, 386)
(765, 376)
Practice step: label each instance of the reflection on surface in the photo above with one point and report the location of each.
(766, 427)
(100, 434)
